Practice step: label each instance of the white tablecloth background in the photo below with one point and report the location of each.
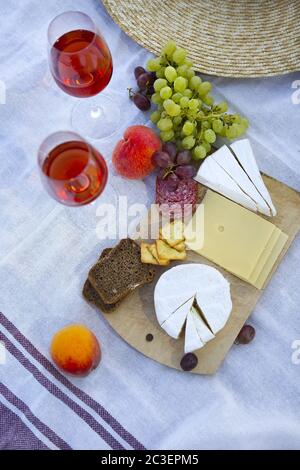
(45, 251)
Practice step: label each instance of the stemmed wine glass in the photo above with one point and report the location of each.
(81, 65)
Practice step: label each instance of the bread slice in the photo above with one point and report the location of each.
(91, 295)
(120, 272)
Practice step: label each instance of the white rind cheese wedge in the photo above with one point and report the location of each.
(190, 282)
(203, 331)
(212, 175)
(225, 158)
(175, 322)
(243, 152)
(192, 340)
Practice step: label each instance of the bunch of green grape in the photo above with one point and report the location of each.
(186, 112)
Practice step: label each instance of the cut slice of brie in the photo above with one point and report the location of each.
(202, 329)
(243, 152)
(212, 175)
(225, 158)
(175, 322)
(192, 340)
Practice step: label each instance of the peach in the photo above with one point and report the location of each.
(132, 154)
(76, 350)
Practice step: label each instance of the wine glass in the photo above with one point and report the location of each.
(73, 172)
(81, 65)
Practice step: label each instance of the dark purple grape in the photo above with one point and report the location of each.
(172, 182)
(150, 90)
(185, 171)
(145, 80)
(171, 149)
(161, 159)
(246, 335)
(184, 157)
(141, 101)
(138, 71)
(161, 173)
(189, 362)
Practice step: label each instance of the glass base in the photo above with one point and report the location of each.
(96, 118)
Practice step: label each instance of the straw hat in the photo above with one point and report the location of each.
(230, 38)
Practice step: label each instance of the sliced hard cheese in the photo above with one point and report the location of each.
(265, 256)
(213, 176)
(234, 238)
(174, 324)
(203, 331)
(243, 152)
(224, 157)
(260, 282)
(192, 340)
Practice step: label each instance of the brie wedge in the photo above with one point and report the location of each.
(243, 152)
(192, 283)
(234, 174)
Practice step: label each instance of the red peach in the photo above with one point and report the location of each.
(76, 350)
(132, 154)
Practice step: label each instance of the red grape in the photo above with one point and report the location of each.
(171, 149)
(161, 159)
(172, 182)
(161, 173)
(145, 80)
(138, 71)
(184, 157)
(185, 171)
(141, 102)
(246, 335)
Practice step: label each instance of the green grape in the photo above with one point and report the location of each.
(179, 55)
(222, 107)
(176, 97)
(199, 152)
(194, 82)
(165, 93)
(239, 129)
(160, 108)
(160, 83)
(170, 74)
(217, 125)
(188, 128)
(206, 125)
(155, 116)
(182, 71)
(180, 84)
(210, 136)
(169, 49)
(184, 102)
(188, 63)
(188, 142)
(204, 88)
(165, 124)
(161, 72)
(245, 123)
(166, 136)
(206, 145)
(171, 108)
(200, 113)
(156, 99)
(208, 100)
(190, 73)
(153, 65)
(194, 104)
(188, 93)
(232, 131)
(177, 121)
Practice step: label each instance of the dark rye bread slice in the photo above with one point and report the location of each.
(120, 272)
(91, 295)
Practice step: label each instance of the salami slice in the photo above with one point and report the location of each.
(178, 203)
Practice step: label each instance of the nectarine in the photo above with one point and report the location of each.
(76, 350)
(132, 154)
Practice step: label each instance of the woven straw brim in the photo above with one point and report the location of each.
(230, 38)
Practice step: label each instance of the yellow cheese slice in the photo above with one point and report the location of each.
(265, 256)
(261, 280)
(234, 237)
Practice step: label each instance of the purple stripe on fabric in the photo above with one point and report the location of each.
(15, 435)
(42, 427)
(99, 409)
(56, 392)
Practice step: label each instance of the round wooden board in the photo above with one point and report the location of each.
(135, 317)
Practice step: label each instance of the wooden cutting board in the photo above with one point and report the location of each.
(135, 317)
